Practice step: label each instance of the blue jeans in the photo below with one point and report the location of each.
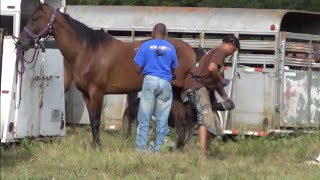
(156, 98)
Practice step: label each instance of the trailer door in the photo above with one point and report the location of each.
(51, 102)
(301, 81)
(41, 108)
(7, 68)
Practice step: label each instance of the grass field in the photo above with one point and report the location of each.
(247, 158)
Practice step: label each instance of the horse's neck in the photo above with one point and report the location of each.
(67, 42)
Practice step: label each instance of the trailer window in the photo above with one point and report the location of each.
(298, 53)
(142, 33)
(183, 35)
(119, 33)
(6, 22)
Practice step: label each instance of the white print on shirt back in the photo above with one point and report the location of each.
(160, 47)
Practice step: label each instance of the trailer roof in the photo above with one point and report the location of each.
(196, 19)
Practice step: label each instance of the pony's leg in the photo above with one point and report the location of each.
(179, 114)
(94, 105)
(191, 120)
(130, 114)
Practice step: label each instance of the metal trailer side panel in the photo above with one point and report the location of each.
(299, 84)
(27, 122)
(52, 119)
(298, 110)
(25, 117)
(213, 19)
(76, 110)
(267, 105)
(315, 98)
(112, 110)
(254, 98)
(41, 110)
(203, 19)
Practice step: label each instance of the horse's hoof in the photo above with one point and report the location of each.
(180, 146)
(96, 145)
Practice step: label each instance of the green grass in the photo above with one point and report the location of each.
(73, 158)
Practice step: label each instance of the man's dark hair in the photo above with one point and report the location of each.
(232, 40)
(160, 28)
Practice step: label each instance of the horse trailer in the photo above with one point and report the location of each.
(279, 88)
(32, 90)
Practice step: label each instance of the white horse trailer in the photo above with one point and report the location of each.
(32, 103)
(279, 85)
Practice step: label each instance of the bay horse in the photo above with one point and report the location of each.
(99, 63)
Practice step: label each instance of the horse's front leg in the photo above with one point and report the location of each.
(94, 105)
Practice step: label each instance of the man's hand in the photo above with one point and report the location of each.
(228, 105)
(226, 82)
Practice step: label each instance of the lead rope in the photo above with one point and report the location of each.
(20, 64)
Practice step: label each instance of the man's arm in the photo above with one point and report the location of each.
(215, 73)
(228, 104)
(222, 93)
(139, 59)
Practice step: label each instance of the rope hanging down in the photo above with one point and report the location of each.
(20, 62)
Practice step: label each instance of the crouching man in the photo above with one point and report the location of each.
(206, 77)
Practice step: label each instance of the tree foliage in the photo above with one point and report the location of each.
(305, 5)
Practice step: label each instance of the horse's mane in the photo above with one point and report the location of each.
(93, 37)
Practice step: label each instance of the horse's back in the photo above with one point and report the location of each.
(187, 60)
(185, 53)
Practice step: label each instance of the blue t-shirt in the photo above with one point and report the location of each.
(157, 57)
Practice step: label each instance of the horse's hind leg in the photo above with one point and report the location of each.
(94, 105)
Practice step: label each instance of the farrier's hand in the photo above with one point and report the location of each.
(226, 82)
(228, 105)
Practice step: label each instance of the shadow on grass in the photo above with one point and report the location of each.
(15, 153)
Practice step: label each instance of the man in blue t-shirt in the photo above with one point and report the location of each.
(156, 60)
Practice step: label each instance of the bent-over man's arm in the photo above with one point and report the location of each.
(222, 93)
(215, 73)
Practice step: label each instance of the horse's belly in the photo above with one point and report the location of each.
(125, 85)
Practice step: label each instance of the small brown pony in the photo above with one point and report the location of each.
(99, 63)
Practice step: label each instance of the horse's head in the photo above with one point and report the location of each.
(39, 25)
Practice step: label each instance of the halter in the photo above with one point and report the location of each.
(48, 28)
